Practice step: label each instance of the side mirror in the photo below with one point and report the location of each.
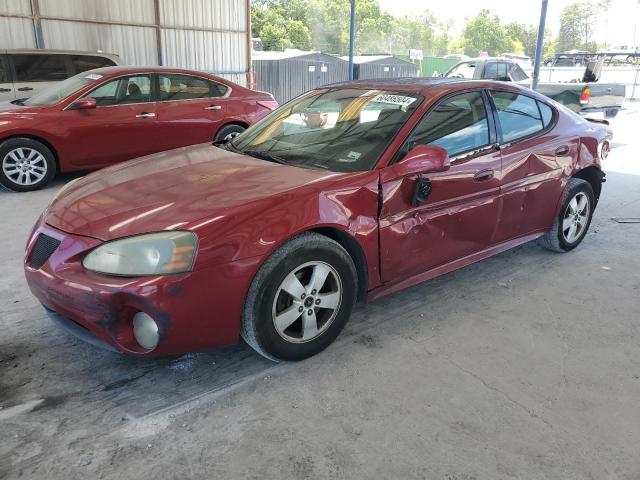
(423, 159)
(84, 103)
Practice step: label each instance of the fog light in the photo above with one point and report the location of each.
(145, 330)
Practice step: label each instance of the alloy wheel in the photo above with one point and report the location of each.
(576, 217)
(307, 301)
(24, 166)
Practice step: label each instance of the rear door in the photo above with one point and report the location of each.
(35, 71)
(531, 182)
(7, 91)
(191, 109)
(121, 127)
(461, 213)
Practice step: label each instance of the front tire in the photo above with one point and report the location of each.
(572, 224)
(25, 164)
(300, 299)
(228, 132)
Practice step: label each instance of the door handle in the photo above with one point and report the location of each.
(146, 115)
(3, 90)
(213, 107)
(484, 175)
(25, 89)
(563, 150)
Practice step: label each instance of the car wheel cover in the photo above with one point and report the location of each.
(307, 302)
(230, 136)
(24, 166)
(576, 217)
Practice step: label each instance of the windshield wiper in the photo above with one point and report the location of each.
(18, 101)
(262, 155)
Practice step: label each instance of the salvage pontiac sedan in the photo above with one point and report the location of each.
(349, 192)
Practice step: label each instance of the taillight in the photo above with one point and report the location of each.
(270, 104)
(585, 96)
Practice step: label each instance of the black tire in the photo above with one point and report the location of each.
(258, 324)
(13, 182)
(555, 239)
(228, 130)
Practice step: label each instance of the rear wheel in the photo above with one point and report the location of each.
(228, 132)
(300, 299)
(572, 224)
(26, 164)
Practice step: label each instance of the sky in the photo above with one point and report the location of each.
(624, 15)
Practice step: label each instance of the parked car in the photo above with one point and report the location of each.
(351, 191)
(109, 115)
(570, 58)
(584, 97)
(25, 72)
(522, 60)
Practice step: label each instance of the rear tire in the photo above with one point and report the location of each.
(228, 132)
(572, 224)
(300, 299)
(25, 164)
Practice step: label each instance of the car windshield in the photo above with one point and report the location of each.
(337, 129)
(61, 90)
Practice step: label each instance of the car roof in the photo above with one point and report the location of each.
(124, 70)
(52, 51)
(428, 86)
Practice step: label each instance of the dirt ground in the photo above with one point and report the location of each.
(523, 366)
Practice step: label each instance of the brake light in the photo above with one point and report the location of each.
(270, 104)
(585, 96)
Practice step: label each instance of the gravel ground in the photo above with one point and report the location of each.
(524, 366)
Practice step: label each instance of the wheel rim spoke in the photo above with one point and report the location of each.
(320, 273)
(24, 166)
(287, 317)
(292, 286)
(309, 325)
(329, 300)
(566, 224)
(582, 204)
(573, 205)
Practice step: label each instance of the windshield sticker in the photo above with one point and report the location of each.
(400, 100)
(93, 76)
(354, 155)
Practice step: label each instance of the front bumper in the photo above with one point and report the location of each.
(194, 310)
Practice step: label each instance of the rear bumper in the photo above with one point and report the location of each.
(194, 310)
(608, 112)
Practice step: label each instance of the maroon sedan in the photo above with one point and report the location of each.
(108, 115)
(349, 192)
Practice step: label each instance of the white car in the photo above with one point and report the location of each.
(25, 72)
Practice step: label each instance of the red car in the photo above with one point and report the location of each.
(108, 115)
(349, 192)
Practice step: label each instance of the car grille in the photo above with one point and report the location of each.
(42, 250)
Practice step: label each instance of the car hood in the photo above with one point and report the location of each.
(177, 189)
(12, 108)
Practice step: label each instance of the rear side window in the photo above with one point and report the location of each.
(4, 69)
(518, 114)
(122, 91)
(40, 68)
(218, 89)
(82, 63)
(547, 114)
(458, 124)
(185, 87)
(496, 71)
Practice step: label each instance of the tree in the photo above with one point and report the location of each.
(484, 33)
(577, 23)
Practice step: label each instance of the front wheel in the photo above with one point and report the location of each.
(26, 164)
(300, 299)
(228, 132)
(572, 224)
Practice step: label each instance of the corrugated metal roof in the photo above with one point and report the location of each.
(127, 11)
(15, 7)
(16, 33)
(208, 14)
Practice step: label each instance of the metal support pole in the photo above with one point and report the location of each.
(156, 14)
(352, 37)
(37, 25)
(539, 45)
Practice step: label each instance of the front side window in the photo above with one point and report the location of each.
(4, 69)
(40, 68)
(122, 91)
(337, 129)
(458, 124)
(185, 87)
(518, 114)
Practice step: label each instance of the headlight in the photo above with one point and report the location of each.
(151, 254)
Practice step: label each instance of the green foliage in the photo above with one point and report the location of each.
(484, 33)
(577, 23)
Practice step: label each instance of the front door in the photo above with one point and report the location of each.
(190, 109)
(121, 127)
(461, 212)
